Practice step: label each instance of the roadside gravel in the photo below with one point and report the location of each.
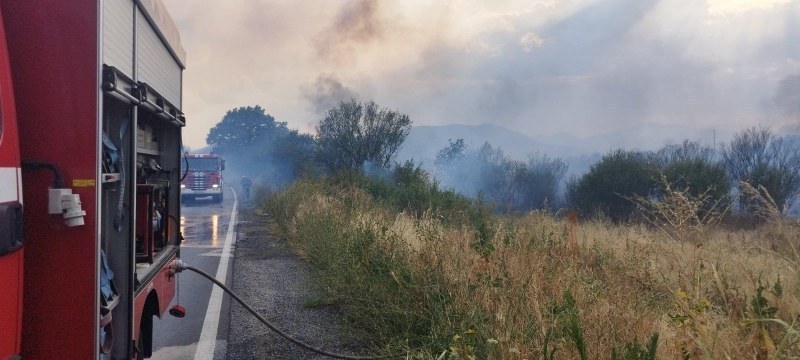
(277, 283)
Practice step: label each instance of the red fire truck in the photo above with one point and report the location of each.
(90, 159)
(203, 177)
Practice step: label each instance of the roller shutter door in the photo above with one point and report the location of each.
(118, 35)
(156, 66)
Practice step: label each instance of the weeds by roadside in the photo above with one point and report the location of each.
(454, 282)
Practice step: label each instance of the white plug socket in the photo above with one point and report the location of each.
(73, 214)
(55, 199)
(64, 202)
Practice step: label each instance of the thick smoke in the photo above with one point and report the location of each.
(326, 93)
(357, 22)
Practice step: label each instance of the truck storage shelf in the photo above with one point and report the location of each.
(113, 302)
(147, 151)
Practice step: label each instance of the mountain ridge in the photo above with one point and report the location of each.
(423, 142)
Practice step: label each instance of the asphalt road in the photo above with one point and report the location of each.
(205, 228)
(279, 284)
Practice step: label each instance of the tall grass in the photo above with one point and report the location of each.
(455, 282)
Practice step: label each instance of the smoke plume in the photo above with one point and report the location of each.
(357, 22)
(326, 93)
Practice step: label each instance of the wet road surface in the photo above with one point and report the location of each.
(204, 225)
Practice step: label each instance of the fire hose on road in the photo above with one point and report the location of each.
(181, 266)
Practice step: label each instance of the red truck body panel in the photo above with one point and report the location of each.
(56, 102)
(56, 107)
(11, 263)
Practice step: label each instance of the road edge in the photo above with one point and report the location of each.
(208, 336)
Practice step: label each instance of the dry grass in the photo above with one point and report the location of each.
(731, 295)
(681, 215)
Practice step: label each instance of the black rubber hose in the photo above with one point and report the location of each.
(58, 181)
(278, 331)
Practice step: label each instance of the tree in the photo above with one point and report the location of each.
(759, 157)
(240, 127)
(541, 179)
(454, 151)
(690, 167)
(353, 134)
(610, 184)
(685, 151)
(265, 149)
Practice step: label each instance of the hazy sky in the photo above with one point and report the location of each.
(538, 67)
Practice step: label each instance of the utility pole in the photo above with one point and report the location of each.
(714, 132)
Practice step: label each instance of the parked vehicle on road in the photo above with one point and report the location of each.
(203, 177)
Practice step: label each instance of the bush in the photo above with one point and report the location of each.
(761, 158)
(409, 188)
(606, 189)
(681, 214)
(698, 178)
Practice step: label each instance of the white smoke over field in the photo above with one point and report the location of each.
(787, 97)
(487, 173)
(537, 67)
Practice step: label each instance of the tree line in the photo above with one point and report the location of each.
(351, 137)
(365, 137)
(755, 157)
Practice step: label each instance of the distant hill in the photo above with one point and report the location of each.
(645, 136)
(424, 142)
(793, 129)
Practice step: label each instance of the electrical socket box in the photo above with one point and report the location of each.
(55, 199)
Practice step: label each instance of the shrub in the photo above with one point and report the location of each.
(680, 214)
(698, 178)
(761, 158)
(605, 189)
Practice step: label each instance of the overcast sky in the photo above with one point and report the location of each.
(539, 67)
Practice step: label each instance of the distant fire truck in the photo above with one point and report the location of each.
(90, 139)
(203, 177)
